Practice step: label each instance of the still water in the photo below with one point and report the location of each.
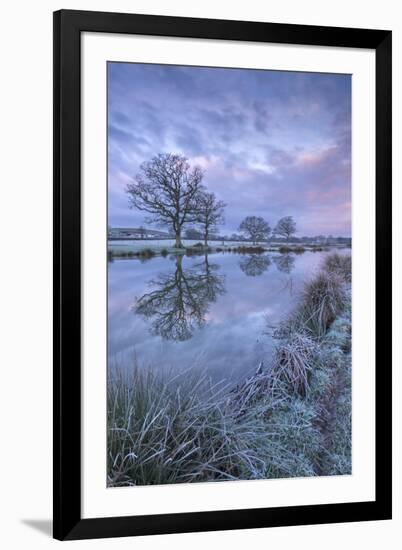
(213, 312)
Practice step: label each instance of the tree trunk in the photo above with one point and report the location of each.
(206, 239)
(178, 244)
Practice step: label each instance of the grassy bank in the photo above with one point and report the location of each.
(291, 420)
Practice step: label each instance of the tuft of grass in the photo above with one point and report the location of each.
(340, 265)
(322, 300)
(295, 249)
(164, 252)
(146, 253)
(293, 362)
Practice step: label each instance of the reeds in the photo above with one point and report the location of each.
(323, 299)
(295, 249)
(144, 254)
(339, 264)
(248, 249)
(293, 362)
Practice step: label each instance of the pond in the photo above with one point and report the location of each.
(215, 312)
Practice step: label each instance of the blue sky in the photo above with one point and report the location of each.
(271, 143)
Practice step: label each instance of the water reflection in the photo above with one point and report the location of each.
(180, 300)
(285, 262)
(224, 333)
(254, 265)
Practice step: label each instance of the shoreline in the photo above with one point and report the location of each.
(127, 251)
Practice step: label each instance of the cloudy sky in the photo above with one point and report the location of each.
(270, 143)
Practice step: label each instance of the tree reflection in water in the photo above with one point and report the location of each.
(181, 299)
(254, 264)
(284, 262)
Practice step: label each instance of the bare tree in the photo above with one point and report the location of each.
(255, 228)
(166, 188)
(286, 227)
(209, 213)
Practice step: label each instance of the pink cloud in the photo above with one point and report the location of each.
(314, 158)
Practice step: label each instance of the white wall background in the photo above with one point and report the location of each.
(26, 270)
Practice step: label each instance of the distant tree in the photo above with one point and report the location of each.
(209, 213)
(286, 227)
(166, 188)
(192, 233)
(255, 228)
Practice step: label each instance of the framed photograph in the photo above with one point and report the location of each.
(222, 274)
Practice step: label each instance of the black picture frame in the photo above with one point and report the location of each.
(68, 26)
